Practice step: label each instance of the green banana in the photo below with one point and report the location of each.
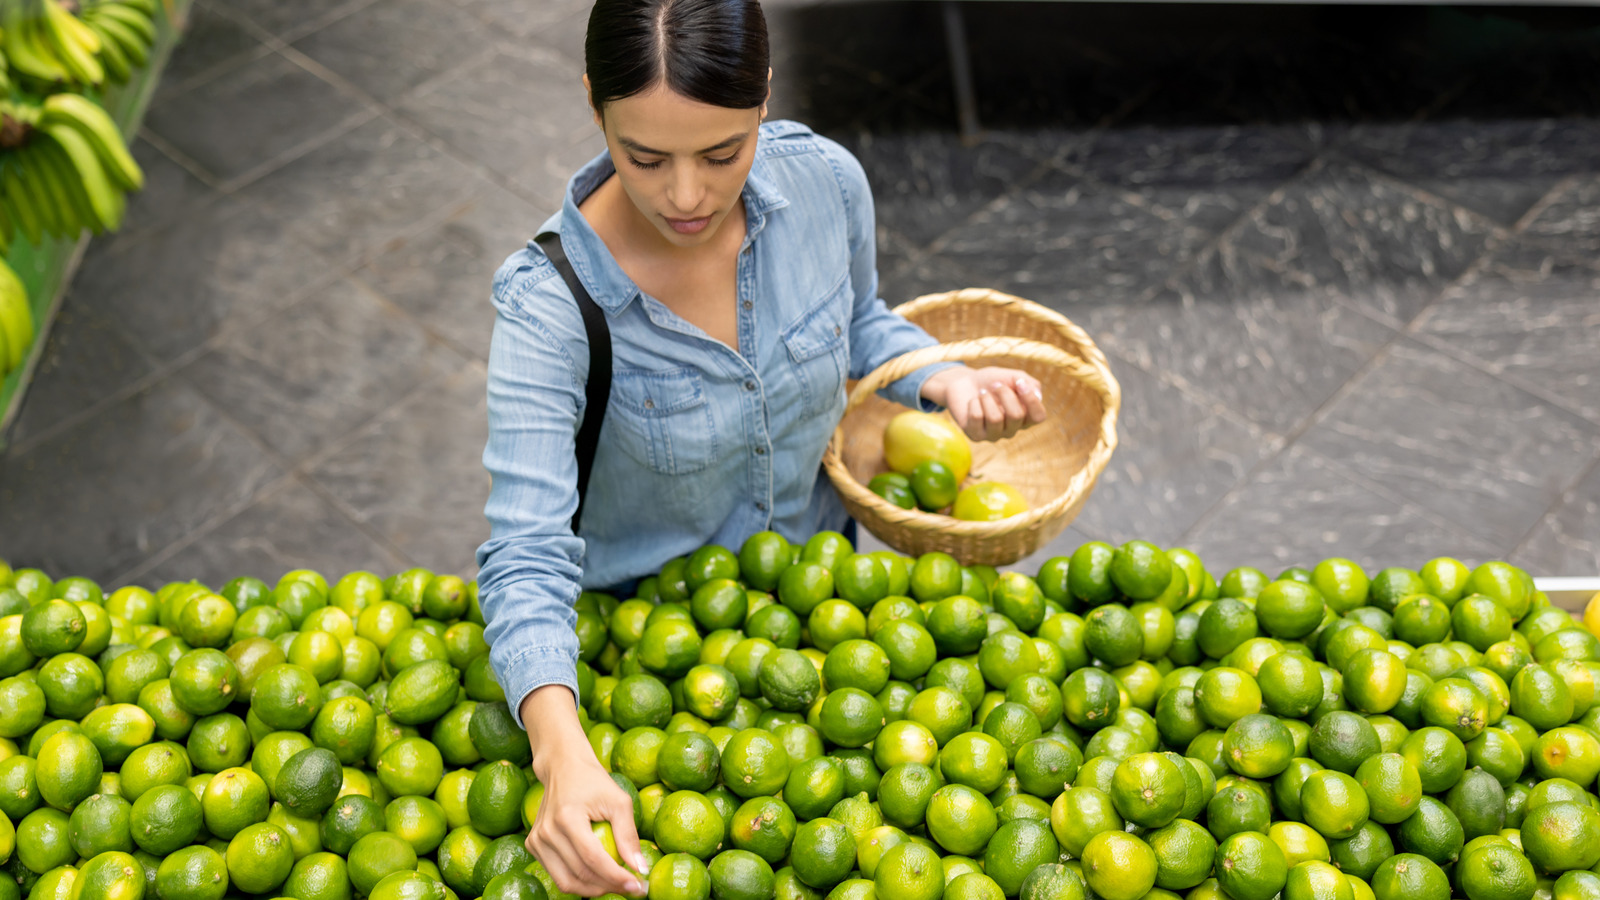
(58, 175)
(41, 177)
(104, 197)
(136, 22)
(26, 49)
(20, 200)
(118, 37)
(94, 123)
(117, 65)
(8, 228)
(74, 43)
(75, 189)
(51, 216)
(146, 7)
(16, 319)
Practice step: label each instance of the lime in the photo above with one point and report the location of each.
(1407, 876)
(1496, 872)
(377, 855)
(934, 484)
(1249, 866)
(823, 853)
(259, 858)
(1119, 866)
(197, 872)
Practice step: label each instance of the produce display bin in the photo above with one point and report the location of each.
(1569, 593)
(47, 269)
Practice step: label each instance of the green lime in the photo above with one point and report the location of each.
(823, 853)
(193, 873)
(377, 855)
(1119, 866)
(1249, 866)
(1408, 876)
(934, 485)
(1496, 872)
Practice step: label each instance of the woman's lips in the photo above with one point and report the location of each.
(688, 226)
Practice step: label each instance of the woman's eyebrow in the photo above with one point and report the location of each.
(637, 147)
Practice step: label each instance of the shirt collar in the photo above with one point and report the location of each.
(610, 287)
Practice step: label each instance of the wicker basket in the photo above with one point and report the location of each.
(1054, 464)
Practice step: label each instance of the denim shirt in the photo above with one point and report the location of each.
(701, 443)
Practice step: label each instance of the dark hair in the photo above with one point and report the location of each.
(713, 51)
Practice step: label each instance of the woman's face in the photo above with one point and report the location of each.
(683, 163)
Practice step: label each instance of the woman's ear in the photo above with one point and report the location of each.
(769, 94)
(588, 92)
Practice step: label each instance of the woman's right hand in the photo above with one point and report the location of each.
(577, 793)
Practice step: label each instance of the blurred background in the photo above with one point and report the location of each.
(1343, 261)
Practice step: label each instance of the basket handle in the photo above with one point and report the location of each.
(983, 348)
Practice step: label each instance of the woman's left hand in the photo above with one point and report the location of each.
(989, 403)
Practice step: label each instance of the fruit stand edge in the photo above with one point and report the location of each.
(46, 271)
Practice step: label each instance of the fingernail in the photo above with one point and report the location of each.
(996, 386)
(983, 392)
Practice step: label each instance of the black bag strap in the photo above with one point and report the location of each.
(599, 384)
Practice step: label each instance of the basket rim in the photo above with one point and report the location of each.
(1021, 306)
(1093, 373)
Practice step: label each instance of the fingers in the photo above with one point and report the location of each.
(994, 416)
(626, 836)
(570, 852)
(976, 423)
(1033, 398)
(601, 868)
(1015, 414)
(548, 855)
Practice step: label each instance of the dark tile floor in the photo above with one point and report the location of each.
(1343, 261)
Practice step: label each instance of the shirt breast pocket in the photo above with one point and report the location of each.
(668, 419)
(820, 354)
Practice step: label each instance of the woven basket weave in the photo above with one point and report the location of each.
(1054, 464)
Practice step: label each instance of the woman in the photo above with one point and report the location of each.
(735, 266)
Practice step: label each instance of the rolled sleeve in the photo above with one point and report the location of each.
(877, 334)
(529, 569)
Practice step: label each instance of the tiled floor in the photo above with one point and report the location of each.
(1345, 263)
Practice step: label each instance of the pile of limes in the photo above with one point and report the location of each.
(807, 722)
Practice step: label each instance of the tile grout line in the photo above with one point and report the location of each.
(1042, 167)
(391, 114)
(163, 367)
(1560, 501)
(1357, 478)
(1466, 358)
(291, 471)
(181, 159)
(375, 109)
(305, 148)
(211, 524)
(1408, 330)
(1293, 435)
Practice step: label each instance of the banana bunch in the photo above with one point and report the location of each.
(126, 29)
(45, 41)
(16, 321)
(72, 172)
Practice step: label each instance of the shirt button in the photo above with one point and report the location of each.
(761, 505)
(837, 330)
(748, 305)
(761, 451)
(649, 404)
(749, 384)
